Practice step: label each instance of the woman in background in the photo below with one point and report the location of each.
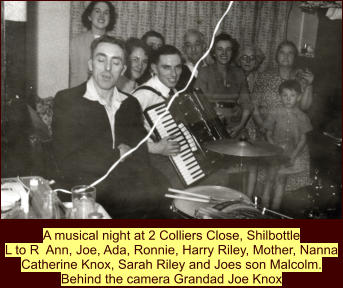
(99, 18)
(153, 39)
(225, 85)
(249, 59)
(138, 62)
(265, 95)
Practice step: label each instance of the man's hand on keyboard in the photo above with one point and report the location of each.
(168, 147)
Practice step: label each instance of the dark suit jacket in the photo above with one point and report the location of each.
(82, 141)
(82, 138)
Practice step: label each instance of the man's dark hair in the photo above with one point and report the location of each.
(85, 15)
(290, 85)
(152, 33)
(111, 40)
(165, 50)
(226, 37)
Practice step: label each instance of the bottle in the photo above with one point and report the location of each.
(42, 199)
(304, 49)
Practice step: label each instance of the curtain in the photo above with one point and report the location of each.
(261, 22)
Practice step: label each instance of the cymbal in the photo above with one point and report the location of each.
(244, 148)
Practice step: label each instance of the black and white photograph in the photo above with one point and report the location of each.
(171, 109)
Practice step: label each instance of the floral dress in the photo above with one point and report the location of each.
(266, 96)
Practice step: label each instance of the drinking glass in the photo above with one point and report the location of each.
(83, 201)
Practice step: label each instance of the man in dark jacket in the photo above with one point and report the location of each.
(93, 125)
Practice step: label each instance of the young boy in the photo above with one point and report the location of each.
(287, 127)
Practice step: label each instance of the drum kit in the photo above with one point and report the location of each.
(216, 202)
(325, 192)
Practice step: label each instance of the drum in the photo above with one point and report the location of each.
(237, 206)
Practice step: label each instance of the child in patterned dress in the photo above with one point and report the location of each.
(287, 127)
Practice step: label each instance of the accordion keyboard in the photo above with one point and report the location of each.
(186, 163)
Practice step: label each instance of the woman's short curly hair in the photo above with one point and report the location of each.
(226, 37)
(130, 45)
(85, 15)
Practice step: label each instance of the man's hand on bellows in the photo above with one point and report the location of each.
(168, 147)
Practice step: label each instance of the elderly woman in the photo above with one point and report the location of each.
(265, 95)
(225, 85)
(99, 18)
(267, 99)
(138, 61)
(249, 59)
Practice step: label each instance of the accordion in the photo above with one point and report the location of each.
(192, 122)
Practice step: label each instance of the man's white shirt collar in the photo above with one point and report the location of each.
(92, 95)
(155, 83)
(116, 100)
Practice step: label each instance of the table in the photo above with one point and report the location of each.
(43, 202)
